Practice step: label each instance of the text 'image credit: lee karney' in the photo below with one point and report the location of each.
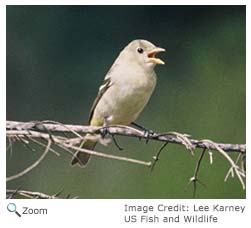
(179, 213)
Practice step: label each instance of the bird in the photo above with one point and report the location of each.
(126, 90)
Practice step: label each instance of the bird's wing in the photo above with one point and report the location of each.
(102, 89)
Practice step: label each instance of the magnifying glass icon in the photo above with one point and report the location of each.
(11, 207)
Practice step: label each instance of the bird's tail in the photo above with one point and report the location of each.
(81, 158)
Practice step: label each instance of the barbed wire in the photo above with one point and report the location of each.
(68, 137)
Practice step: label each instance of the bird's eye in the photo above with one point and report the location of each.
(140, 50)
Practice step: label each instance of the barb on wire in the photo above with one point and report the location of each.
(194, 179)
(156, 157)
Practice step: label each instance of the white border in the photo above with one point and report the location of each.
(2, 100)
(123, 2)
(248, 95)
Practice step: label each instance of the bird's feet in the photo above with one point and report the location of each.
(104, 131)
(147, 132)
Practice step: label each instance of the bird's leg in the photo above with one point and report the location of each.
(105, 131)
(147, 132)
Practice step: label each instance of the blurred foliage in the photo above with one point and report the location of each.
(57, 56)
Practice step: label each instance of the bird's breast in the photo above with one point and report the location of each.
(126, 98)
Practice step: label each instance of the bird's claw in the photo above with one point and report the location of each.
(147, 134)
(104, 131)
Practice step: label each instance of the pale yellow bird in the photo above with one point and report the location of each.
(127, 87)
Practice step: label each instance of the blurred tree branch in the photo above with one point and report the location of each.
(33, 195)
(29, 194)
(68, 137)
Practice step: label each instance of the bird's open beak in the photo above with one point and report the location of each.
(151, 56)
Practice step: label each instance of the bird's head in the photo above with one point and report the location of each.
(142, 52)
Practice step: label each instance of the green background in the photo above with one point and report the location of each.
(57, 57)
